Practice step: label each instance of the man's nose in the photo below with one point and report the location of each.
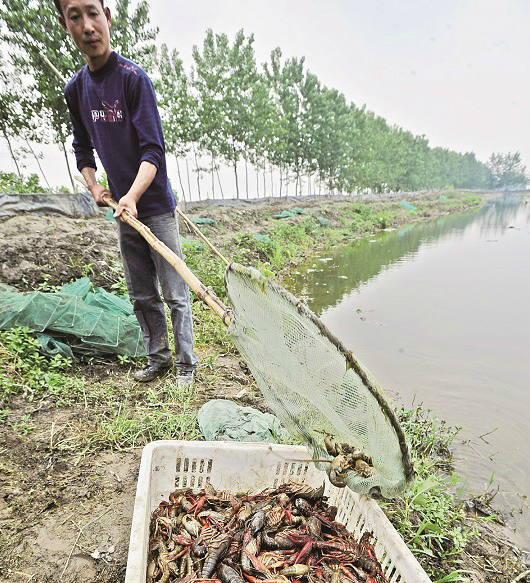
(88, 25)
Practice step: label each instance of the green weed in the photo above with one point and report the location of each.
(45, 285)
(126, 428)
(23, 426)
(430, 515)
(25, 371)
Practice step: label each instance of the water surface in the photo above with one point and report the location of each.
(440, 314)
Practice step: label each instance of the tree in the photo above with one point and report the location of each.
(329, 126)
(32, 32)
(227, 81)
(178, 106)
(507, 171)
(286, 81)
(130, 35)
(11, 120)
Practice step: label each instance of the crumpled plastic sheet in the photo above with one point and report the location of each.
(78, 205)
(224, 420)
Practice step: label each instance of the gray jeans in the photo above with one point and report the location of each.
(144, 270)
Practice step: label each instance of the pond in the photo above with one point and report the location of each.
(439, 312)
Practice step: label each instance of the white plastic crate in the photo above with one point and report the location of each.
(250, 467)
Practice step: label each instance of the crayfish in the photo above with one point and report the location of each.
(286, 534)
(346, 459)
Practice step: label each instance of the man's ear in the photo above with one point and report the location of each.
(108, 15)
(62, 22)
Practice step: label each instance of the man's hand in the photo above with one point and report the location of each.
(98, 191)
(126, 203)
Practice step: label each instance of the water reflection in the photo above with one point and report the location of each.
(326, 280)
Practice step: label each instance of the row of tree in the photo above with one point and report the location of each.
(278, 118)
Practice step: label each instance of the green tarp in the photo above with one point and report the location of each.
(285, 214)
(202, 221)
(407, 205)
(261, 238)
(223, 420)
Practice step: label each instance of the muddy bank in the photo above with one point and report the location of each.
(52, 249)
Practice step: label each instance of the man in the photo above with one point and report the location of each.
(113, 108)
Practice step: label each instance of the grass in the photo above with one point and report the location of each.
(430, 516)
(24, 371)
(126, 427)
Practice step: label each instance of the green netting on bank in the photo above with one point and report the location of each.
(91, 322)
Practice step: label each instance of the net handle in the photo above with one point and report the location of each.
(191, 224)
(201, 291)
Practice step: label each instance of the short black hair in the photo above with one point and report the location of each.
(60, 8)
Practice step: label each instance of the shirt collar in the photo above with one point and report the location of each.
(107, 67)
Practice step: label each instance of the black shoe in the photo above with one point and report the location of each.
(185, 378)
(151, 372)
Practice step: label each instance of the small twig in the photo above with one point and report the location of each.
(474, 449)
(66, 519)
(81, 529)
(488, 433)
(493, 565)
(51, 435)
(481, 567)
(521, 576)
(25, 574)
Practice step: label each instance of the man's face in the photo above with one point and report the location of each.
(88, 23)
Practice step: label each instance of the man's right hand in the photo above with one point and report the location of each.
(98, 192)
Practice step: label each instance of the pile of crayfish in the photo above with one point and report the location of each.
(283, 535)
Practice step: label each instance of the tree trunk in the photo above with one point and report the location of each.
(246, 176)
(188, 174)
(213, 177)
(198, 172)
(308, 185)
(220, 185)
(320, 185)
(264, 182)
(272, 183)
(237, 183)
(180, 179)
(281, 182)
(296, 184)
(38, 163)
(68, 166)
(12, 154)
(257, 181)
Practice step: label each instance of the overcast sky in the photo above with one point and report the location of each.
(456, 71)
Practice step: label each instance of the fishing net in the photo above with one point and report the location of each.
(91, 322)
(313, 384)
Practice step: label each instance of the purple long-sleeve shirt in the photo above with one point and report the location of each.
(114, 110)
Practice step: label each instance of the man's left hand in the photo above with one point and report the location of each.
(126, 203)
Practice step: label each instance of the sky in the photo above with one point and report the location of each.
(455, 71)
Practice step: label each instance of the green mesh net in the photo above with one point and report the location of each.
(92, 322)
(313, 383)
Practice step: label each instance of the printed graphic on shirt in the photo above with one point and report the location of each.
(109, 113)
(129, 68)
